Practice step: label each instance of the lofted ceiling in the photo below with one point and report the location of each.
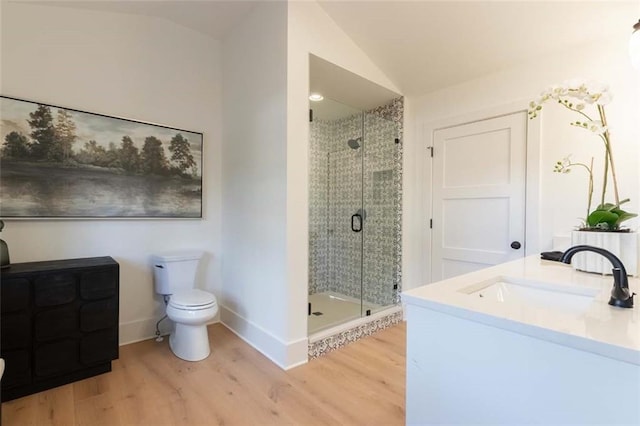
(426, 45)
(211, 17)
(423, 45)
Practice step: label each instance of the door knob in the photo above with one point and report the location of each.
(516, 245)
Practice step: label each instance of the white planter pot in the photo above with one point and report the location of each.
(622, 244)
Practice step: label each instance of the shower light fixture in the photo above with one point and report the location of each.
(634, 46)
(316, 97)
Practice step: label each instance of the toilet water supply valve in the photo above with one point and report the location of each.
(159, 338)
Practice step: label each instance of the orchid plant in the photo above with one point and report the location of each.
(581, 96)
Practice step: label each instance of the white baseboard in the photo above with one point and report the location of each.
(136, 331)
(284, 354)
(145, 329)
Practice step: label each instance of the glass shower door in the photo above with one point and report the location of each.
(381, 245)
(335, 216)
(345, 218)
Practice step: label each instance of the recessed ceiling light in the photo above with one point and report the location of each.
(315, 97)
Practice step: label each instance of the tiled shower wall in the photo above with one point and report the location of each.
(339, 257)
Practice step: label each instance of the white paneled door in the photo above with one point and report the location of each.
(478, 215)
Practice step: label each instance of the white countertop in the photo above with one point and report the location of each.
(602, 329)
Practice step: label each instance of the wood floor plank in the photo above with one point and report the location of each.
(293, 404)
(360, 384)
(344, 388)
(53, 407)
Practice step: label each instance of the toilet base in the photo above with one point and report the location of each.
(190, 342)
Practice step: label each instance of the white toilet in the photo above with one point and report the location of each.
(189, 308)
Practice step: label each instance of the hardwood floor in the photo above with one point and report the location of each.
(360, 384)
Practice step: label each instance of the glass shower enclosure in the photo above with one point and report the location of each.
(354, 217)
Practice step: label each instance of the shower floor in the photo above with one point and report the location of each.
(336, 309)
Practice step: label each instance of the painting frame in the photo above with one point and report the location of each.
(63, 163)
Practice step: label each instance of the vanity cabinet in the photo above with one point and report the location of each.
(547, 349)
(59, 322)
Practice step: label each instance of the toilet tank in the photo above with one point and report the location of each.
(173, 271)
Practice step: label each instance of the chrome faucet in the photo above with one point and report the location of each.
(620, 296)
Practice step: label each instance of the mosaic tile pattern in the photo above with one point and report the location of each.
(336, 261)
(394, 111)
(320, 135)
(380, 204)
(324, 346)
(344, 245)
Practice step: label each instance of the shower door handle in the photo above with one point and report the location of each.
(358, 223)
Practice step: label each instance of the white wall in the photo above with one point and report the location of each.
(129, 66)
(414, 221)
(1, 55)
(254, 181)
(563, 197)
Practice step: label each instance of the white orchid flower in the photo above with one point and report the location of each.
(574, 84)
(596, 127)
(576, 95)
(555, 92)
(593, 126)
(605, 98)
(596, 87)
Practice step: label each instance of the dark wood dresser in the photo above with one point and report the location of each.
(59, 322)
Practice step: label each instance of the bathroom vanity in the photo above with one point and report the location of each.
(529, 341)
(59, 322)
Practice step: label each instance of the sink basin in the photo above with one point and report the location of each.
(520, 292)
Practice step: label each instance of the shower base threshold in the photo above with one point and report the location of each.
(330, 309)
(333, 338)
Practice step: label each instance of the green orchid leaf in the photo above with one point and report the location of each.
(606, 207)
(617, 211)
(622, 216)
(608, 216)
(598, 217)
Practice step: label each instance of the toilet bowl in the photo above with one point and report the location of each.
(189, 308)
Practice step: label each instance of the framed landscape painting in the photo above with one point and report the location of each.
(63, 163)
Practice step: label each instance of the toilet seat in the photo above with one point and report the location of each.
(192, 300)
